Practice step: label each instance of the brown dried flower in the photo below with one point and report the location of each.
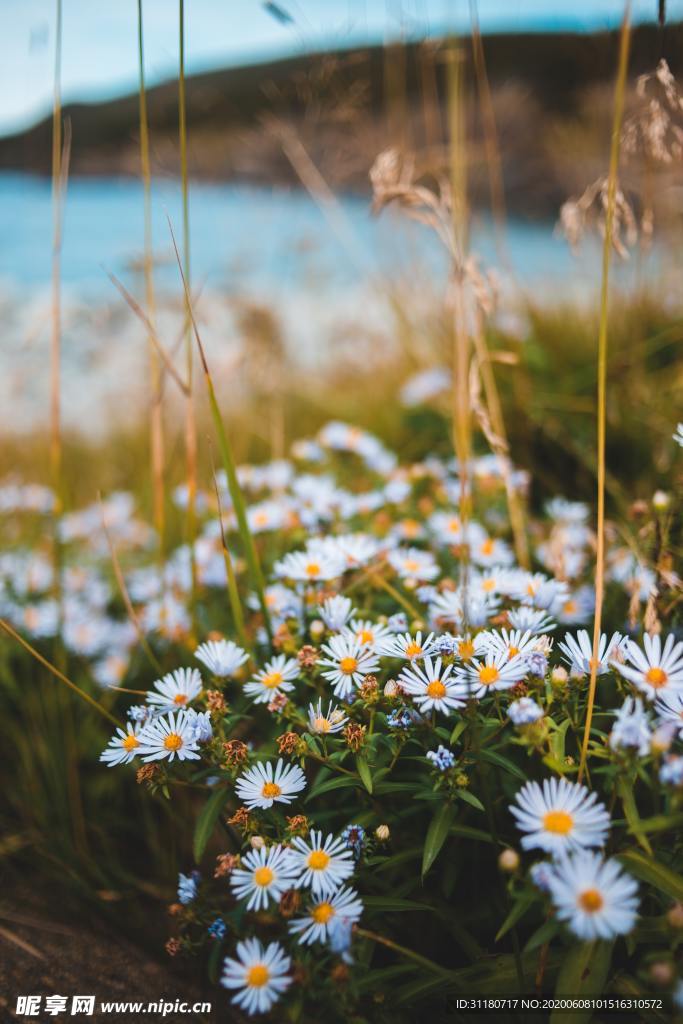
(225, 864)
(298, 823)
(290, 902)
(236, 753)
(173, 947)
(147, 773)
(278, 703)
(287, 743)
(354, 734)
(240, 818)
(308, 656)
(216, 702)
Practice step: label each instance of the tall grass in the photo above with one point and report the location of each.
(619, 93)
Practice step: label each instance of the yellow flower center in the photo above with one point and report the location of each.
(173, 741)
(560, 823)
(488, 584)
(312, 569)
(261, 518)
(270, 789)
(130, 742)
(322, 725)
(263, 876)
(436, 689)
(322, 913)
(569, 607)
(454, 525)
(413, 649)
(466, 649)
(271, 679)
(366, 636)
(180, 698)
(531, 589)
(257, 976)
(487, 547)
(410, 527)
(318, 860)
(411, 565)
(512, 651)
(348, 665)
(591, 901)
(488, 674)
(656, 677)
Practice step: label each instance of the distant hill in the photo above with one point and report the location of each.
(551, 93)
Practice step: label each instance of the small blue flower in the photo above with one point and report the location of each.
(339, 932)
(354, 837)
(398, 623)
(524, 711)
(446, 645)
(537, 663)
(201, 721)
(443, 758)
(218, 929)
(671, 772)
(541, 875)
(187, 887)
(138, 713)
(401, 719)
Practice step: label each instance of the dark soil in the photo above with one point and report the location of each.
(41, 955)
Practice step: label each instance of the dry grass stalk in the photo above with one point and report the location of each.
(611, 205)
(190, 421)
(156, 414)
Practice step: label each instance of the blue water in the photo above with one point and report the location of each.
(251, 239)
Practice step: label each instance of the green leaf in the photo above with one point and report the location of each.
(458, 730)
(583, 972)
(387, 903)
(436, 835)
(545, 933)
(207, 820)
(649, 870)
(502, 762)
(631, 811)
(338, 782)
(557, 740)
(519, 909)
(363, 769)
(470, 798)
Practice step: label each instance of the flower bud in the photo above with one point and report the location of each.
(390, 688)
(675, 915)
(382, 833)
(317, 628)
(508, 860)
(661, 501)
(257, 842)
(662, 973)
(559, 676)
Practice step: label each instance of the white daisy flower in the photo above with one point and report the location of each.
(336, 612)
(513, 642)
(264, 875)
(431, 687)
(169, 736)
(259, 972)
(313, 927)
(578, 607)
(524, 711)
(261, 787)
(357, 548)
(369, 634)
(122, 747)
(413, 564)
(540, 591)
(175, 690)
(325, 723)
(276, 677)
(534, 619)
(447, 527)
(347, 664)
(577, 651)
(669, 708)
(310, 566)
(631, 729)
(559, 817)
(595, 897)
(496, 671)
(658, 668)
(491, 551)
(221, 657)
(322, 866)
(405, 645)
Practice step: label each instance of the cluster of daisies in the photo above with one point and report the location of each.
(399, 629)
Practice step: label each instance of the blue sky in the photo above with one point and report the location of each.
(99, 37)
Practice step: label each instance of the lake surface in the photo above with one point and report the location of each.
(244, 237)
(318, 269)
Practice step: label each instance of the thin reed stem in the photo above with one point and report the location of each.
(156, 413)
(190, 422)
(619, 94)
(56, 672)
